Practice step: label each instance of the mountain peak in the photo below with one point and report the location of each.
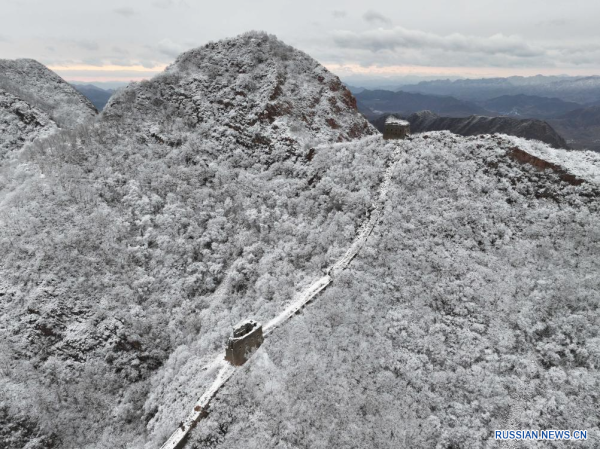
(245, 47)
(253, 88)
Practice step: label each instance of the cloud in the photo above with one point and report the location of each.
(119, 50)
(375, 17)
(165, 4)
(338, 14)
(125, 11)
(95, 62)
(169, 48)
(86, 44)
(400, 38)
(553, 23)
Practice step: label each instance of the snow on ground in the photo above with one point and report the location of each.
(44, 89)
(21, 123)
(424, 339)
(584, 164)
(301, 300)
(295, 306)
(224, 374)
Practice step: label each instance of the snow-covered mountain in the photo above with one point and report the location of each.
(42, 88)
(216, 191)
(425, 121)
(475, 296)
(252, 90)
(138, 219)
(21, 123)
(36, 102)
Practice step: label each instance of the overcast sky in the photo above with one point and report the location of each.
(123, 40)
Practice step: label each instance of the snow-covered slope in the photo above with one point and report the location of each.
(42, 88)
(253, 90)
(128, 255)
(20, 123)
(217, 190)
(480, 283)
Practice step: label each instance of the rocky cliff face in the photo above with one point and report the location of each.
(252, 90)
(533, 129)
(42, 88)
(20, 123)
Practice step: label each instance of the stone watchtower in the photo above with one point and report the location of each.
(396, 128)
(247, 336)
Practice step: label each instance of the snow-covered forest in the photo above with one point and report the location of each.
(212, 193)
(114, 245)
(42, 88)
(480, 281)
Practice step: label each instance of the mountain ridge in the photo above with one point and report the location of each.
(401, 102)
(577, 89)
(532, 129)
(42, 88)
(139, 219)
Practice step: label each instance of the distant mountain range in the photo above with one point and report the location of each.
(533, 129)
(520, 105)
(380, 101)
(529, 106)
(580, 90)
(512, 97)
(565, 102)
(577, 123)
(581, 127)
(98, 96)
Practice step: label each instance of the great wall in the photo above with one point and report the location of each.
(227, 369)
(397, 130)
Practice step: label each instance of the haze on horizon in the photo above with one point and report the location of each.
(132, 40)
